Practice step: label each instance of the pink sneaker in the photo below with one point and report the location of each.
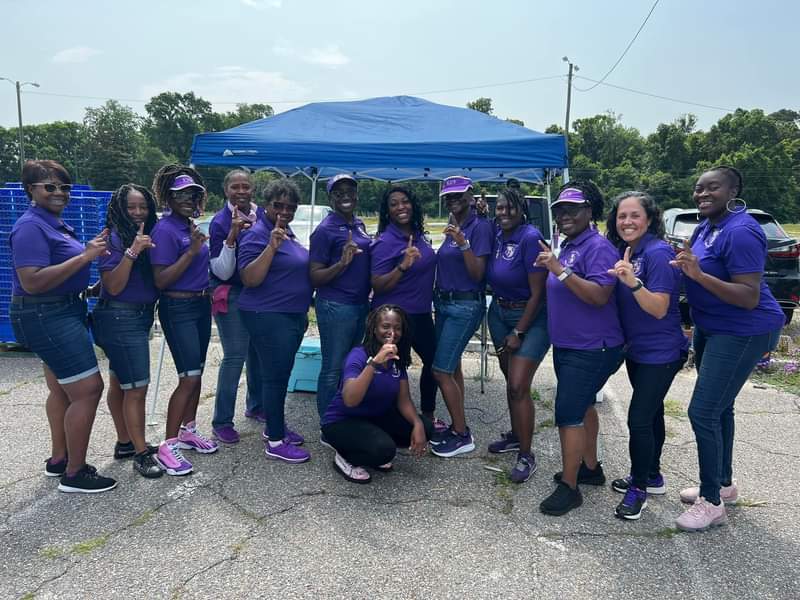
(702, 515)
(728, 494)
(286, 452)
(171, 458)
(190, 439)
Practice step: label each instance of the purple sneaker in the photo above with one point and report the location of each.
(286, 452)
(508, 442)
(191, 439)
(524, 468)
(454, 444)
(656, 486)
(255, 414)
(225, 434)
(171, 458)
(294, 438)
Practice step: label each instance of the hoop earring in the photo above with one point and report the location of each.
(736, 203)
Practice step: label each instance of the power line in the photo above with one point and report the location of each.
(624, 52)
(640, 92)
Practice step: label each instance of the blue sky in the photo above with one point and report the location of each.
(725, 54)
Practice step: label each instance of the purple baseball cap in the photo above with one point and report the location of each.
(337, 178)
(184, 181)
(571, 196)
(455, 185)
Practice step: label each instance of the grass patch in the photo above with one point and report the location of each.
(51, 552)
(546, 424)
(673, 408)
(535, 395)
(779, 378)
(504, 491)
(747, 503)
(90, 545)
(28, 596)
(667, 533)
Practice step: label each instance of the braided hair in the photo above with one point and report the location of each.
(417, 214)
(651, 209)
(372, 344)
(591, 192)
(118, 219)
(733, 174)
(166, 176)
(516, 201)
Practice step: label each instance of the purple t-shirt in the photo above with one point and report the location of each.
(381, 394)
(287, 287)
(414, 292)
(218, 233)
(512, 261)
(649, 340)
(734, 246)
(327, 242)
(40, 239)
(138, 290)
(172, 237)
(451, 272)
(571, 322)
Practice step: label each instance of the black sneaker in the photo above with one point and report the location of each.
(128, 450)
(86, 481)
(562, 500)
(52, 469)
(632, 504)
(586, 475)
(146, 465)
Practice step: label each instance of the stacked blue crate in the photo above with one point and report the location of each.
(86, 213)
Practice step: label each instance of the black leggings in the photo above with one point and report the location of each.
(423, 341)
(371, 442)
(646, 416)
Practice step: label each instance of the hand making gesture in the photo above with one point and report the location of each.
(198, 239)
(548, 260)
(623, 269)
(277, 236)
(410, 255)
(454, 231)
(350, 250)
(141, 242)
(97, 246)
(238, 224)
(687, 262)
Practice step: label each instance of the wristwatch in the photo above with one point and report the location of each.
(370, 362)
(639, 285)
(565, 273)
(465, 246)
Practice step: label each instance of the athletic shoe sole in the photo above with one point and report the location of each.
(562, 511)
(224, 441)
(711, 525)
(460, 450)
(173, 472)
(185, 446)
(530, 474)
(504, 450)
(635, 517)
(348, 478)
(293, 461)
(325, 443)
(76, 490)
(655, 491)
(51, 474)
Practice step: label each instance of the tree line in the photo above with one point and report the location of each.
(115, 145)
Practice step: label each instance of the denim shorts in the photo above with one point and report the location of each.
(581, 374)
(502, 321)
(187, 326)
(123, 332)
(456, 321)
(59, 335)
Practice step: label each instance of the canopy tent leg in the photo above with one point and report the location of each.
(314, 178)
(151, 409)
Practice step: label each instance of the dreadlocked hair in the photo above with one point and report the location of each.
(118, 219)
(372, 344)
(166, 176)
(516, 201)
(417, 214)
(734, 176)
(592, 194)
(651, 209)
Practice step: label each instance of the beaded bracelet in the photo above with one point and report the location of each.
(131, 254)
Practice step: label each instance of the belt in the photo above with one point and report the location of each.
(511, 303)
(199, 294)
(23, 300)
(450, 296)
(104, 303)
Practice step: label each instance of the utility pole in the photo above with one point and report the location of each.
(572, 67)
(19, 85)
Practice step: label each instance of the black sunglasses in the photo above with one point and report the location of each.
(64, 188)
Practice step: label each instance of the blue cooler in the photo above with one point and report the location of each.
(307, 363)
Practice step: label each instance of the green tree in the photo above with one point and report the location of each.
(245, 113)
(173, 119)
(483, 105)
(110, 146)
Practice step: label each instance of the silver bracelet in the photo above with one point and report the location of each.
(466, 246)
(131, 254)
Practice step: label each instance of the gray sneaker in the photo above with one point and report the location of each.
(524, 469)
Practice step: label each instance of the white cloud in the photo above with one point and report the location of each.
(329, 56)
(262, 4)
(78, 54)
(235, 84)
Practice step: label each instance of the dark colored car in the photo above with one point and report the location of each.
(782, 268)
(538, 211)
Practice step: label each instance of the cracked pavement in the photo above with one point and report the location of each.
(244, 526)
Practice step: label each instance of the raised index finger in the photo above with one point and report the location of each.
(627, 256)
(544, 246)
(686, 246)
(349, 235)
(411, 241)
(141, 228)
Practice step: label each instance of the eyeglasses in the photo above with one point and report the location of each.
(571, 210)
(453, 197)
(64, 188)
(281, 206)
(186, 195)
(339, 194)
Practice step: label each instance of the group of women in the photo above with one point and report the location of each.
(598, 300)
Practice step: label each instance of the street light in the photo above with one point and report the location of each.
(19, 85)
(572, 68)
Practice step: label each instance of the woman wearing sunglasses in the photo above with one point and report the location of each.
(586, 335)
(48, 316)
(180, 270)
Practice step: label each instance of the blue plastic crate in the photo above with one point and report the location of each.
(307, 363)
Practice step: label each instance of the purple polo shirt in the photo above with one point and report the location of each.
(218, 233)
(287, 287)
(138, 290)
(571, 322)
(734, 246)
(40, 239)
(172, 237)
(512, 262)
(381, 394)
(649, 340)
(414, 292)
(451, 272)
(352, 285)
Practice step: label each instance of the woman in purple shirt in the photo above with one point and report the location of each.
(273, 266)
(736, 321)
(48, 315)
(180, 270)
(237, 215)
(403, 270)
(122, 319)
(586, 335)
(655, 346)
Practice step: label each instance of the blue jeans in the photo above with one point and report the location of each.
(455, 322)
(236, 350)
(276, 338)
(122, 330)
(581, 374)
(724, 363)
(502, 321)
(341, 327)
(187, 327)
